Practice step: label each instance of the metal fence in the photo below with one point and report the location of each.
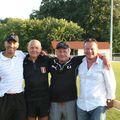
(116, 56)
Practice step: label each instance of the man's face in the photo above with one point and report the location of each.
(63, 55)
(11, 46)
(34, 49)
(91, 50)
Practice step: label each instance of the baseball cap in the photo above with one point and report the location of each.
(62, 45)
(13, 37)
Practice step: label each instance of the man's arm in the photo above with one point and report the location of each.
(78, 59)
(110, 83)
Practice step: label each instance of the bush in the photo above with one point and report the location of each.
(45, 30)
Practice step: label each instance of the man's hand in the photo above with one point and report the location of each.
(43, 53)
(105, 61)
(109, 103)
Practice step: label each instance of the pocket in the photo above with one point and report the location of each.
(97, 75)
(94, 76)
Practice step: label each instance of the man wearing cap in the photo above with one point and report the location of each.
(63, 92)
(12, 103)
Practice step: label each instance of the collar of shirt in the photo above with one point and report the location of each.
(5, 58)
(98, 60)
(56, 60)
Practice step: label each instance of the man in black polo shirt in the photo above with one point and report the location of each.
(63, 92)
(36, 82)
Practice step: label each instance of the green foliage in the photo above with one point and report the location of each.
(45, 30)
(92, 15)
(96, 18)
(116, 11)
(116, 27)
(116, 36)
(113, 114)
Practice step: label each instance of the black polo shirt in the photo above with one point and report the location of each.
(36, 78)
(63, 79)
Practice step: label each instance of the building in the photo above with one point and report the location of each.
(77, 47)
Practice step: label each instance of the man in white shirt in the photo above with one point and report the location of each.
(97, 85)
(12, 103)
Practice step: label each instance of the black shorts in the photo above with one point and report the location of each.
(12, 107)
(38, 108)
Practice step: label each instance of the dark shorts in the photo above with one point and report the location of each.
(12, 107)
(37, 108)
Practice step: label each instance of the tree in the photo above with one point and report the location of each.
(45, 30)
(116, 12)
(116, 26)
(92, 15)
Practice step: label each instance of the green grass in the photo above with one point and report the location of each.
(113, 114)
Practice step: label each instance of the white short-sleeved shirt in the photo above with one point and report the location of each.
(11, 73)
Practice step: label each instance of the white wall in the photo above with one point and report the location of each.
(80, 52)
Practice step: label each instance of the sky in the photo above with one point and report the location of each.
(18, 8)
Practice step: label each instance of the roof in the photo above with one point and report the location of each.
(79, 44)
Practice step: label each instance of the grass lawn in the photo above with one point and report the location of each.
(114, 114)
